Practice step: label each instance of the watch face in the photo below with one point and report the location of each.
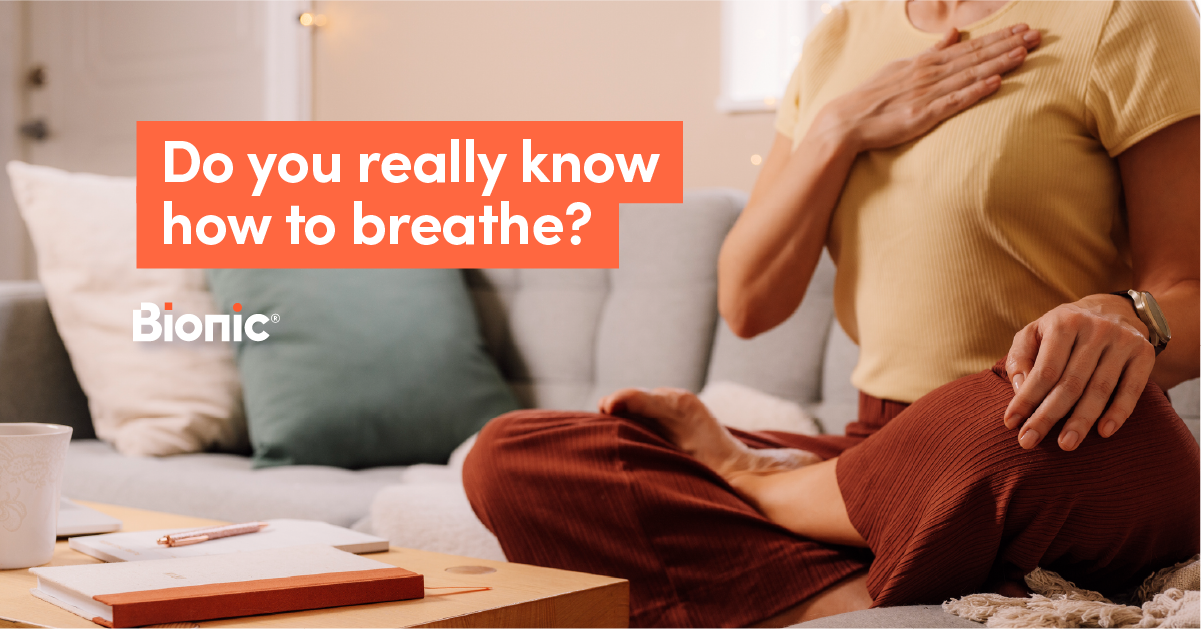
(1165, 333)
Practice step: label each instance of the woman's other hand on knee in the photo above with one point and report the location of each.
(1088, 358)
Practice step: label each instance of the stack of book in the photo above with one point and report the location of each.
(269, 572)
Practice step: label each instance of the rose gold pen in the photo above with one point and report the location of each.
(214, 532)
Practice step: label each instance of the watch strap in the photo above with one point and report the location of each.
(1154, 336)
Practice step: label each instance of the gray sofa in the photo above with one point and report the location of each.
(563, 338)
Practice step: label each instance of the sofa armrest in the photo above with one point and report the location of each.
(37, 382)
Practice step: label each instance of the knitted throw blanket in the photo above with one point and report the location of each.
(1168, 598)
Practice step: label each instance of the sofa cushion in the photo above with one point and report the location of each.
(566, 337)
(540, 326)
(147, 398)
(37, 383)
(785, 361)
(364, 367)
(222, 486)
(840, 399)
(807, 359)
(908, 616)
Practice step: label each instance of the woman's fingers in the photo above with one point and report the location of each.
(1067, 392)
(946, 106)
(961, 49)
(949, 38)
(975, 72)
(1018, 363)
(907, 97)
(967, 87)
(1130, 388)
(1054, 350)
(1100, 388)
(1000, 50)
(1078, 361)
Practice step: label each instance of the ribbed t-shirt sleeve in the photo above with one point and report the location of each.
(789, 110)
(1146, 71)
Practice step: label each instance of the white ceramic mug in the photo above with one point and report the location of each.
(31, 475)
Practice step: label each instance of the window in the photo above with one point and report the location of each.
(761, 44)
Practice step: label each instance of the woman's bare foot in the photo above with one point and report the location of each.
(792, 488)
(692, 428)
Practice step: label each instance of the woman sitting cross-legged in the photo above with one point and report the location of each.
(1012, 206)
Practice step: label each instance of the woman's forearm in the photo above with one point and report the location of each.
(1159, 182)
(1181, 359)
(771, 252)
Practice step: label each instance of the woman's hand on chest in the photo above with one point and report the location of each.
(908, 97)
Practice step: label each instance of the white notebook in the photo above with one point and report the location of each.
(143, 545)
(75, 519)
(196, 588)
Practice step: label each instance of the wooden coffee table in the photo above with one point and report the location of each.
(521, 595)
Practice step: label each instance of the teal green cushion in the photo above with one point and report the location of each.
(363, 368)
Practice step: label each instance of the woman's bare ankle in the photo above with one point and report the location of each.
(750, 461)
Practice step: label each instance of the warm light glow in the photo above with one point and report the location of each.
(756, 160)
(769, 101)
(320, 20)
(826, 8)
(306, 19)
(313, 19)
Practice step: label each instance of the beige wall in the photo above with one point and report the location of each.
(16, 258)
(539, 61)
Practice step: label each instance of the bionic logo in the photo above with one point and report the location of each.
(188, 327)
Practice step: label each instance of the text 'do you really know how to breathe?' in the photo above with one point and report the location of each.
(396, 194)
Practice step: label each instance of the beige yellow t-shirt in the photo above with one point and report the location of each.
(947, 245)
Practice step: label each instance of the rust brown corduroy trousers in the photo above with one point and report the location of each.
(940, 489)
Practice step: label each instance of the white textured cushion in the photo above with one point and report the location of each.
(146, 398)
(434, 517)
(428, 510)
(740, 406)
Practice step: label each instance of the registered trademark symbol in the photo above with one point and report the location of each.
(274, 318)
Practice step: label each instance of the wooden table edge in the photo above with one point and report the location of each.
(617, 617)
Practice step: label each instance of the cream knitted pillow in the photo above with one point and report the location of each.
(742, 407)
(146, 398)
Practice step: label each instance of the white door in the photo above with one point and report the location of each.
(106, 65)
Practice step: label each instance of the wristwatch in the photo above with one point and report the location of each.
(1158, 332)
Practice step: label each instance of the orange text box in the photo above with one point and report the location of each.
(405, 194)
